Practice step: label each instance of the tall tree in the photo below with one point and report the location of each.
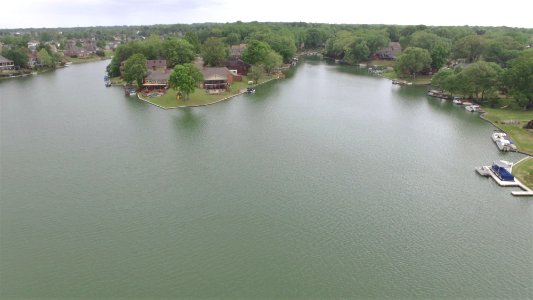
(470, 47)
(233, 38)
(482, 77)
(519, 80)
(439, 48)
(192, 38)
(177, 51)
(256, 72)
(17, 55)
(255, 52)
(314, 38)
(446, 79)
(271, 61)
(413, 60)
(214, 52)
(44, 58)
(135, 69)
(357, 51)
(184, 79)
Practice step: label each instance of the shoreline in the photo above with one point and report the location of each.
(204, 104)
(482, 116)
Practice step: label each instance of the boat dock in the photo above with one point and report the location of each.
(488, 172)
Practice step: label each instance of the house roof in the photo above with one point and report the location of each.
(392, 50)
(5, 60)
(232, 63)
(158, 75)
(156, 63)
(218, 73)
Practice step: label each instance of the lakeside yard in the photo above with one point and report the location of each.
(512, 121)
(524, 172)
(199, 96)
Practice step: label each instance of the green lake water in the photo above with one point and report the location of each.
(327, 184)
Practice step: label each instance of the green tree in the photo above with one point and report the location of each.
(519, 80)
(413, 60)
(184, 79)
(45, 36)
(255, 52)
(233, 38)
(271, 61)
(501, 50)
(177, 51)
(214, 52)
(376, 41)
(100, 44)
(314, 38)
(152, 47)
(135, 69)
(482, 77)
(18, 56)
(192, 38)
(446, 79)
(470, 47)
(439, 48)
(256, 72)
(44, 58)
(357, 51)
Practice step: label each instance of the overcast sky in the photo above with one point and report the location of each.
(75, 13)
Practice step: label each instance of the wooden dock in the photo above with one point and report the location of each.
(515, 183)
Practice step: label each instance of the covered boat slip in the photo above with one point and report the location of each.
(502, 171)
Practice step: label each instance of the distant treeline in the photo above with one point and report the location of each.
(426, 49)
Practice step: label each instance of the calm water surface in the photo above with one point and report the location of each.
(327, 184)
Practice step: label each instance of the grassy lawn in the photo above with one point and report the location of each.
(523, 138)
(524, 172)
(199, 96)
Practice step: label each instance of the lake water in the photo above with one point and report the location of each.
(327, 184)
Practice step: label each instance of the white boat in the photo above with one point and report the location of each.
(466, 103)
(483, 171)
(498, 136)
(457, 101)
(505, 145)
(473, 108)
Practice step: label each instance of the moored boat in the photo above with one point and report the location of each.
(473, 108)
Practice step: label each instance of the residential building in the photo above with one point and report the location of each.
(390, 52)
(6, 64)
(216, 80)
(157, 79)
(156, 65)
(33, 61)
(239, 65)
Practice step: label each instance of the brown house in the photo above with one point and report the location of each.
(6, 64)
(216, 80)
(156, 65)
(390, 52)
(157, 79)
(239, 65)
(159, 65)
